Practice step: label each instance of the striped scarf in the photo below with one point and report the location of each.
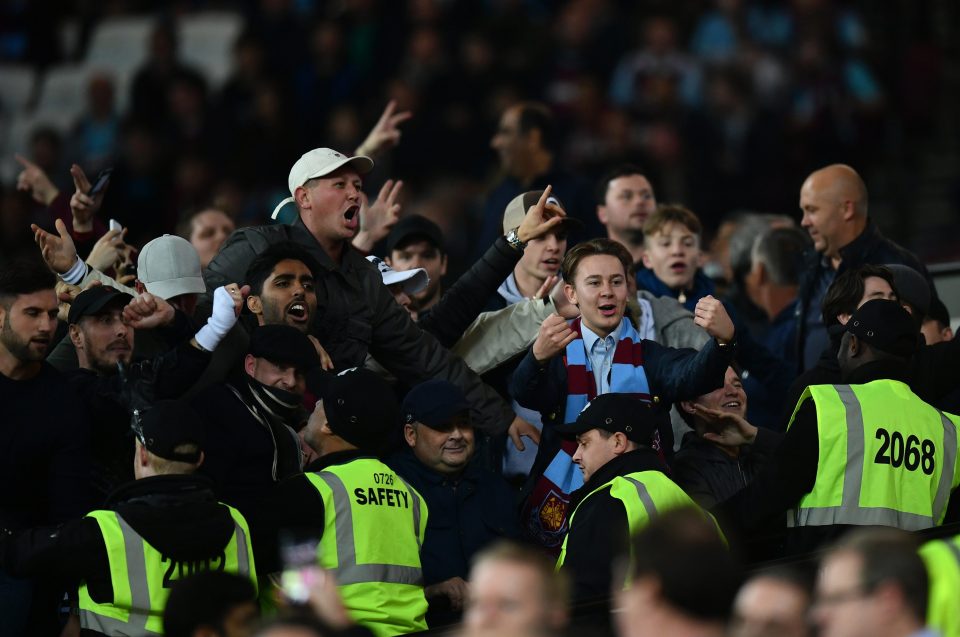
(545, 511)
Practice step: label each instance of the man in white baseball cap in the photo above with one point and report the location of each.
(402, 285)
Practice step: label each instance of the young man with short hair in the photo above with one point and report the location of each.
(417, 242)
(625, 200)
(571, 363)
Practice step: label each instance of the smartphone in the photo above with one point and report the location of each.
(115, 225)
(301, 566)
(103, 178)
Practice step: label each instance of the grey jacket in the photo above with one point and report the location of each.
(359, 316)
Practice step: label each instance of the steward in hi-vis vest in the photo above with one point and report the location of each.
(164, 526)
(624, 487)
(369, 522)
(867, 453)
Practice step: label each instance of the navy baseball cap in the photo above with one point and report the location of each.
(637, 419)
(284, 344)
(411, 228)
(359, 404)
(434, 403)
(92, 301)
(886, 326)
(168, 424)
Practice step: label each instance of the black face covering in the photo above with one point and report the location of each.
(282, 412)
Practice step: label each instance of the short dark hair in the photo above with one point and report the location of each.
(889, 555)
(844, 294)
(622, 170)
(683, 550)
(672, 213)
(537, 116)
(204, 599)
(24, 276)
(264, 263)
(781, 252)
(572, 259)
(938, 312)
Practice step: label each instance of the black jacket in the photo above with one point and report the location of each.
(467, 298)
(791, 473)
(709, 475)
(358, 316)
(600, 531)
(177, 514)
(870, 247)
(109, 401)
(245, 455)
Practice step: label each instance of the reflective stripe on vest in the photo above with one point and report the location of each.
(942, 559)
(347, 570)
(822, 507)
(666, 496)
(133, 610)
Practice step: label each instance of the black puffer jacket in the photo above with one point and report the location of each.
(710, 476)
(357, 315)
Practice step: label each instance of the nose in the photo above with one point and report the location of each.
(551, 243)
(805, 221)
(47, 323)
(289, 378)
(402, 298)
(577, 456)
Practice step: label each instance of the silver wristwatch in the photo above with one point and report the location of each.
(514, 240)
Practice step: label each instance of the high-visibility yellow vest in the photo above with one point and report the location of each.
(942, 558)
(644, 494)
(374, 524)
(886, 458)
(141, 576)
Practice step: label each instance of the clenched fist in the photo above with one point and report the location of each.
(712, 316)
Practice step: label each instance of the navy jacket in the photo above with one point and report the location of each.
(466, 514)
(870, 247)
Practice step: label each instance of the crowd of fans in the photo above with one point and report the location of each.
(347, 417)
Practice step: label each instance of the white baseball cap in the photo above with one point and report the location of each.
(318, 163)
(414, 280)
(169, 266)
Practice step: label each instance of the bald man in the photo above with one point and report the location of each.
(833, 201)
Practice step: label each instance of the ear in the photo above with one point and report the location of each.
(844, 318)
(849, 210)
(142, 458)
(325, 429)
(249, 364)
(535, 137)
(76, 336)
(947, 333)
(854, 345)
(620, 442)
(388, 260)
(443, 265)
(602, 214)
(410, 434)
(200, 461)
(687, 406)
(647, 263)
(255, 304)
(302, 197)
(571, 293)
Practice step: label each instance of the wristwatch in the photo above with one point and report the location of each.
(514, 240)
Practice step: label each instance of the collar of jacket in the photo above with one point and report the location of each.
(852, 254)
(410, 462)
(352, 259)
(337, 457)
(643, 459)
(159, 490)
(878, 370)
(702, 286)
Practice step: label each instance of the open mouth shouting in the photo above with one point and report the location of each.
(351, 217)
(298, 312)
(552, 264)
(608, 310)
(678, 267)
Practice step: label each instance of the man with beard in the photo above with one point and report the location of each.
(102, 323)
(253, 417)
(43, 429)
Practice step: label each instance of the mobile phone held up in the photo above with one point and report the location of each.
(103, 178)
(301, 569)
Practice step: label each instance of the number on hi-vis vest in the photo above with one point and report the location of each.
(911, 454)
(179, 570)
(382, 496)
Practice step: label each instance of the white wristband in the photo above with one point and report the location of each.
(75, 274)
(221, 320)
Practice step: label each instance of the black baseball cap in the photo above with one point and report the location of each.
(359, 404)
(92, 301)
(414, 227)
(284, 344)
(635, 418)
(166, 425)
(911, 287)
(434, 403)
(886, 326)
